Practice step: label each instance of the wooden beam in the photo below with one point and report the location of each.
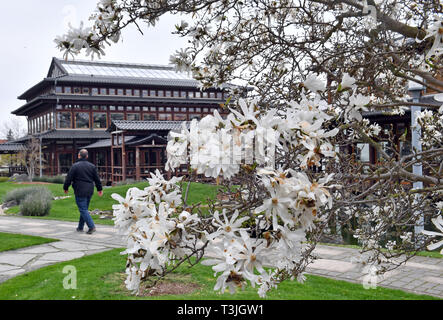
(137, 163)
(123, 157)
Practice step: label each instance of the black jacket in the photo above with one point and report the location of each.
(82, 176)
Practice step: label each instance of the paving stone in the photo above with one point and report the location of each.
(39, 249)
(62, 256)
(16, 259)
(327, 251)
(13, 273)
(40, 263)
(423, 266)
(434, 279)
(33, 224)
(332, 265)
(69, 246)
(42, 231)
(4, 268)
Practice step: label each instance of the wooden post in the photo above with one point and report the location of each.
(112, 158)
(123, 157)
(137, 163)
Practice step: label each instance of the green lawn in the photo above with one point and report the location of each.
(10, 241)
(99, 278)
(66, 209)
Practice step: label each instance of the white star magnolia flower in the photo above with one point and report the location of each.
(347, 81)
(228, 227)
(438, 222)
(435, 31)
(357, 103)
(314, 84)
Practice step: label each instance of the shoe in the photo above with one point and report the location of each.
(91, 231)
(78, 230)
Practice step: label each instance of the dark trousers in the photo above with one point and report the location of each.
(83, 206)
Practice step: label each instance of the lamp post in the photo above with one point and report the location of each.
(415, 90)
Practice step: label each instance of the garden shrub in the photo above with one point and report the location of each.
(18, 194)
(55, 179)
(3, 179)
(37, 203)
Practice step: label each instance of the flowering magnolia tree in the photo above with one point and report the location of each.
(285, 155)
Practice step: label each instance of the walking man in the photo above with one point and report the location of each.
(82, 176)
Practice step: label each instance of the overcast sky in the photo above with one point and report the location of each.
(27, 32)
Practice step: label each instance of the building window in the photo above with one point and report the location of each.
(153, 109)
(111, 91)
(103, 91)
(121, 108)
(128, 92)
(100, 120)
(198, 110)
(145, 93)
(204, 95)
(133, 116)
(152, 93)
(183, 94)
(58, 90)
(145, 108)
(176, 109)
(59, 107)
(184, 109)
(68, 90)
(161, 109)
(117, 116)
(161, 93)
(176, 94)
(95, 108)
(219, 95)
(205, 110)
(111, 108)
(191, 109)
(168, 109)
(101, 159)
(194, 116)
(129, 108)
(136, 108)
(136, 92)
(180, 117)
(149, 117)
(85, 90)
(103, 108)
(94, 91)
(168, 94)
(120, 92)
(362, 152)
(212, 95)
(165, 116)
(82, 120)
(64, 120)
(77, 90)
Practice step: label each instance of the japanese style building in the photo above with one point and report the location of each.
(122, 113)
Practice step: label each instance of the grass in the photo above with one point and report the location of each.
(99, 277)
(66, 209)
(10, 241)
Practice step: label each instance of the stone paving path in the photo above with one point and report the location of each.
(420, 275)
